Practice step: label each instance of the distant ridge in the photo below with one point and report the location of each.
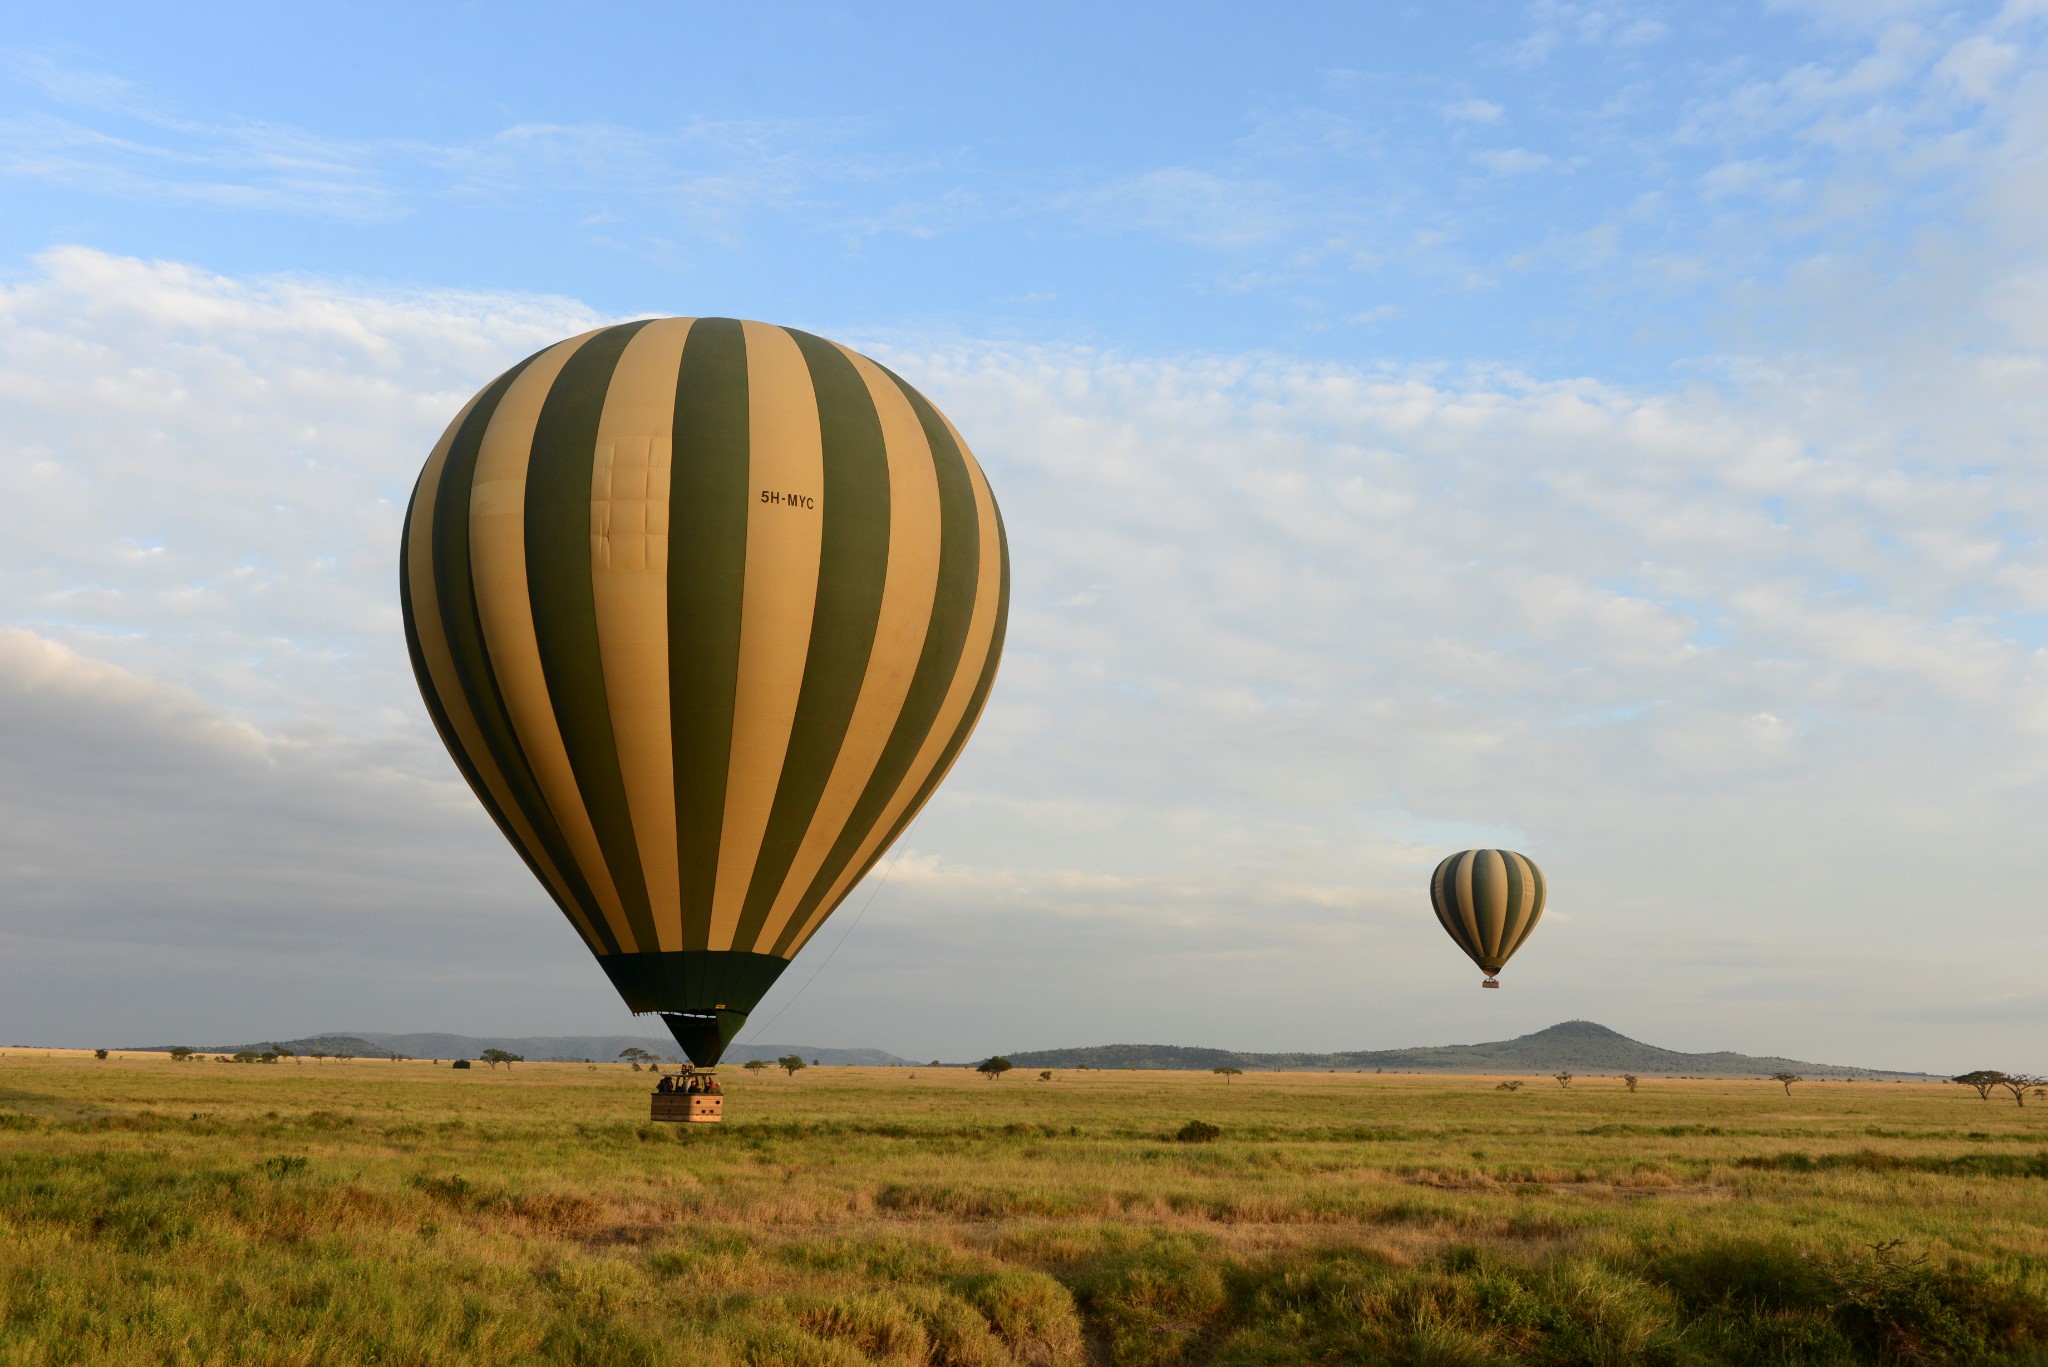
(337, 1046)
(538, 1048)
(1580, 1046)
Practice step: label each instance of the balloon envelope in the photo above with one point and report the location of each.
(704, 610)
(1488, 901)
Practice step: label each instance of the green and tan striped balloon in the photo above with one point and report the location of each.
(1488, 901)
(704, 610)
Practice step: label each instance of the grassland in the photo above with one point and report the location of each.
(376, 1212)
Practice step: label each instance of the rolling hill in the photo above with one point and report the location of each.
(1580, 1046)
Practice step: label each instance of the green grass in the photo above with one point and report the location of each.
(344, 1213)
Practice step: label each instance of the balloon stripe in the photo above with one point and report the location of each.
(427, 646)
(559, 585)
(628, 522)
(1525, 905)
(1468, 919)
(968, 688)
(707, 565)
(1443, 898)
(912, 578)
(963, 730)
(939, 659)
(1536, 903)
(784, 540)
(1513, 906)
(476, 677)
(853, 561)
(497, 555)
(1491, 904)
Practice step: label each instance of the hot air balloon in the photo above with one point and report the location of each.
(704, 610)
(1489, 901)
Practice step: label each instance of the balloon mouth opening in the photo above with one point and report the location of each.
(704, 1035)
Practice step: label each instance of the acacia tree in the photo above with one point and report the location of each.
(636, 1056)
(1628, 1080)
(1228, 1073)
(1984, 1079)
(2019, 1084)
(1787, 1079)
(494, 1057)
(791, 1063)
(182, 1052)
(755, 1065)
(994, 1067)
(1564, 1077)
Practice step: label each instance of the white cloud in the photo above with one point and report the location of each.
(115, 137)
(1512, 161)
(204, 476)
(1978, 65)
(1188, 203)
(1758, 659)
(1474, 111)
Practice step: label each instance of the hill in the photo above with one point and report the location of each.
(1579, 1046)
(540, 1048)
(338, 1046)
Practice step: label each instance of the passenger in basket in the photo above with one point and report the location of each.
(666, 1086)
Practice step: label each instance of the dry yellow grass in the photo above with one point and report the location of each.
(345, 1211)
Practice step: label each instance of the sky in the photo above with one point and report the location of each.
(1612, 431)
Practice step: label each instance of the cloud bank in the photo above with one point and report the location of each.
(1754, 669)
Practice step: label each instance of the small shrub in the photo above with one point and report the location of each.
(1198, 1132)
(461, 1063)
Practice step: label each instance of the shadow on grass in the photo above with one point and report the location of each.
(17, 1105)
(1176, 1302)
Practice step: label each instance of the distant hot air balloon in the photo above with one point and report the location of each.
(1489, 901)
(704, 610)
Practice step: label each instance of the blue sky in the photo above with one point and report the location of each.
(1613, 429)
(1617, 189)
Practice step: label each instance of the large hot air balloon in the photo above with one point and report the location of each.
(704, 610)
(1489, 901)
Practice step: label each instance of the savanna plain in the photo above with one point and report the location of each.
(345, 1212)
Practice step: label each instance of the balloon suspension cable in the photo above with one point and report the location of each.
(901, 850)
(656, 1042)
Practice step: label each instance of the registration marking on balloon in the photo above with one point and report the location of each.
(788, 500)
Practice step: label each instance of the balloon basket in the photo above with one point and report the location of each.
(687, 1108)
(1491, 982)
